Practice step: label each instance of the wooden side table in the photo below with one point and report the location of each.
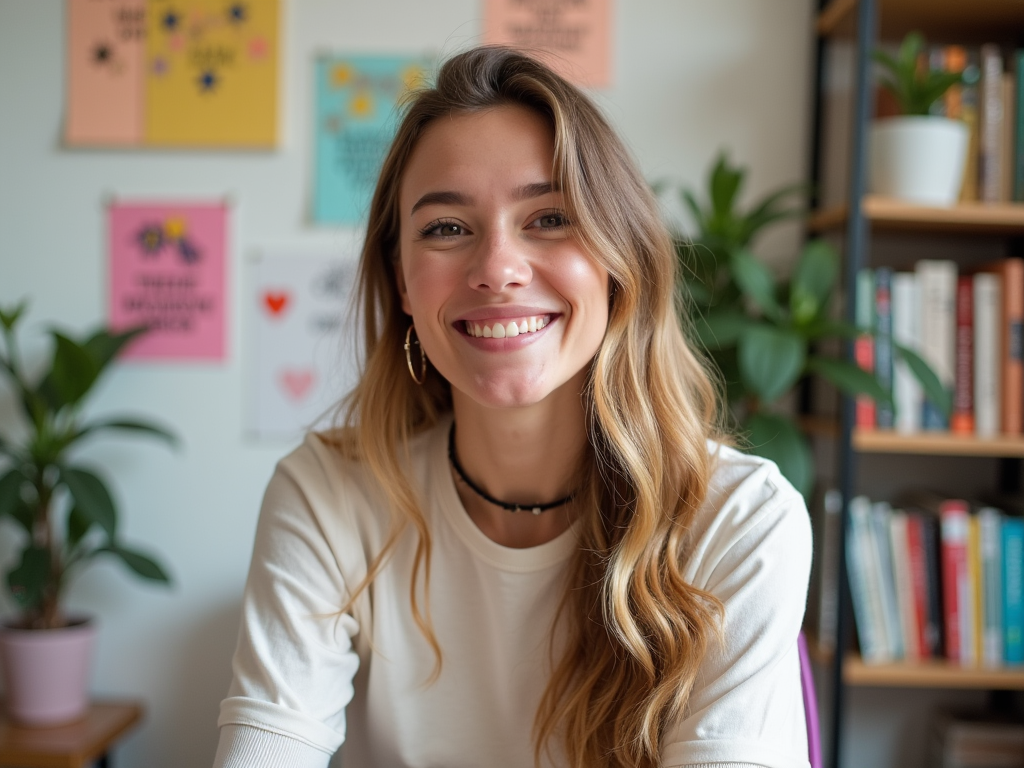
(75, 745)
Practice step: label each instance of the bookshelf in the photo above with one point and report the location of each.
(855, 28)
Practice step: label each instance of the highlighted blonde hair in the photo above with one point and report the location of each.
(635, 631)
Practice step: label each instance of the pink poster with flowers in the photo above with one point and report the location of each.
(168, 266)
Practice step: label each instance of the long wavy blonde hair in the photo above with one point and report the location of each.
(635, 631)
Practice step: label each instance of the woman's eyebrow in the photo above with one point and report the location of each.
(450, 197)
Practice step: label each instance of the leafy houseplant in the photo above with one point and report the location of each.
(65, 510)
(918, 156)
(763, 332)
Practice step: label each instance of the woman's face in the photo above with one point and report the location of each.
(507, 305)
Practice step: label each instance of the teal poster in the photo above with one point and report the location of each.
(357, 101)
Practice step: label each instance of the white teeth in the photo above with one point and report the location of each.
(511, 330)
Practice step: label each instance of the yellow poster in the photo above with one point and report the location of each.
(211, 73)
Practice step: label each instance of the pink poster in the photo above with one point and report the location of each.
(106, 44)
(572, 36)
(167, 271)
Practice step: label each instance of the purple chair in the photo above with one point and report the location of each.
(810, 704)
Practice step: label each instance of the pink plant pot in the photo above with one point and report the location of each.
(47, 672)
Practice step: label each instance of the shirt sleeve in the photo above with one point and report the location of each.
(747, 702)
(294, 664)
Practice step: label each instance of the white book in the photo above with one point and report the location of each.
(990, 540)
(991, 169)
(904, 584)
(863, 576)
(937, 300)
(906, 389)
(881, 512)
(987, 347)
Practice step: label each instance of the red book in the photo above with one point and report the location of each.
(864, 355)
(1011, 271)
(919, 579)
(962, 421)
(955, 578)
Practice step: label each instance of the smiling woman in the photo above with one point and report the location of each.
(523, 355)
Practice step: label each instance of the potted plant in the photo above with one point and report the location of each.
(65, 514)
(917, 156)
(765, 333)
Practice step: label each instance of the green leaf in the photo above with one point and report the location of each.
(756, 281)
(721, 328)
(104, 346)
(776, 438)
(725, 184)
(9, 317)
(131, 425)
(771, 359)
(849, 378)
(11, 501)
(939, 395)
(78, 526)
(28, 580)
(813, 280)
(695, 210)
(141, 564)
(72, 373)
(91, 497)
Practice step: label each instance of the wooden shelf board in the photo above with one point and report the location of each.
(935, 443)
(886, 213)
(954, 21)
(933, 673)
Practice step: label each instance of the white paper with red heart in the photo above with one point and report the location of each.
(301, 363)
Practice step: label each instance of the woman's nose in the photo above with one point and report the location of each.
(500, 262)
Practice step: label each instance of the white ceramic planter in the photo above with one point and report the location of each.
(918, 159)
(47, 673)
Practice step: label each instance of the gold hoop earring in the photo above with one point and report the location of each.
(409, 341)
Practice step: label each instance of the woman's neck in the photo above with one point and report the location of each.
(523, 456)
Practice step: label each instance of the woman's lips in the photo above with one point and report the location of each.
(506, 327)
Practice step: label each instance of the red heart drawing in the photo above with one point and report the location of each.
(276, 302)
(296, 382)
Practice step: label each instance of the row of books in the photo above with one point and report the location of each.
(993, 107)
(936, 578)
(967, 327)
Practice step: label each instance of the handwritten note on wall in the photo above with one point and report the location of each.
(572, 36)
(168, 271)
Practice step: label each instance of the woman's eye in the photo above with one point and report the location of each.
(550, 221)
(443, 229)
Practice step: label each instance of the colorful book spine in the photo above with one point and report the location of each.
(881, 512)
(1013, 590)
(904, 583)
(962, 420)
(1018, 165)
(906, 389)
(864, 345)
(884, 413)
(937, 292)
(935, 625)
(973, 626)
(1007, 137)
(962, 102)
(990, 550)
(955, 578)
(867, 606)
(918, 568)
(990, 147)
(1011, 274)
(987, 354)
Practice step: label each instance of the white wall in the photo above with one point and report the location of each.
(690, 77)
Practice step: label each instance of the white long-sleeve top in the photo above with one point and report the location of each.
(308, 679)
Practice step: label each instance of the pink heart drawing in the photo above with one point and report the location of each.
(296, 382)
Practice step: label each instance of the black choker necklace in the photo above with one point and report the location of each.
(535, 508)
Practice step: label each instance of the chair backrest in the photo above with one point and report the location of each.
(810, 704)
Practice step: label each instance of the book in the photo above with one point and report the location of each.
(1013, 590)
(973, 623)
(962, 103)
(991, 571)
(884, 414)
(918, 570)
(904, 585)
(822, 602)
(990, 183)
(1011, 332)
(864, 584)
(987, 353)
(955, 582)
(962, 420)
(906, 389)
(881, 512)
(935, 627)
(864, 344)
(937, 297)
(1007, 137)
(1018, 132)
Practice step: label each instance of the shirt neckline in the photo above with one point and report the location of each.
(446, 497)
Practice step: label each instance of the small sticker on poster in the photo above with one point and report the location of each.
(574, 38)
(168, 264)
(302, 349)
(356, 117)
